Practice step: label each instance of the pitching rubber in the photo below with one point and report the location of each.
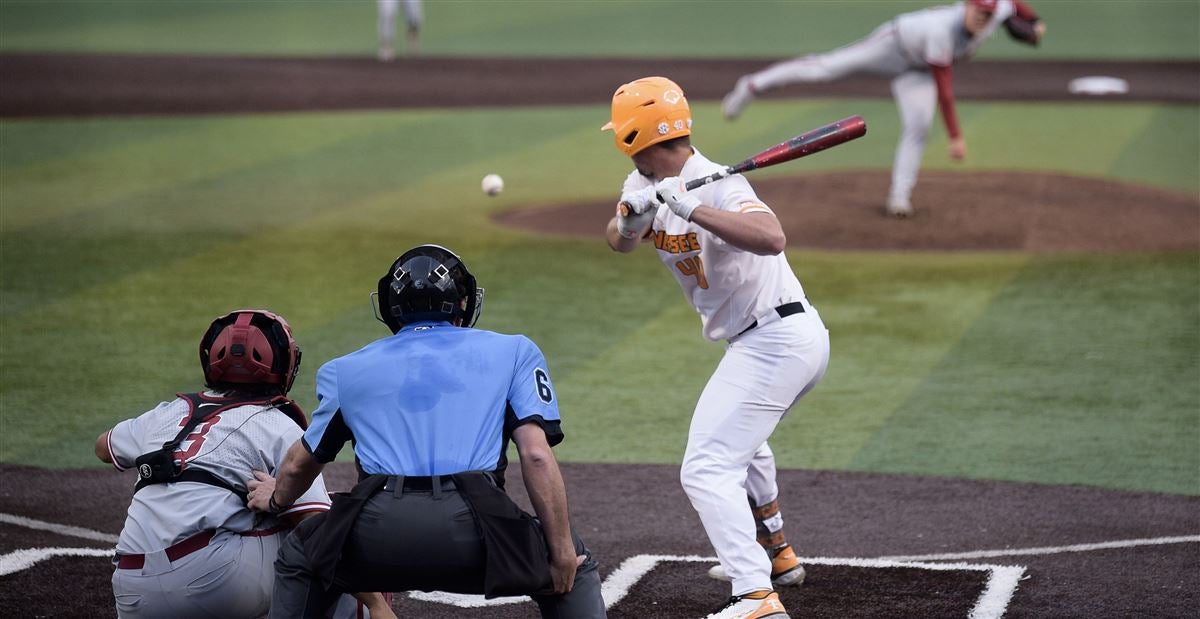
(790, 578)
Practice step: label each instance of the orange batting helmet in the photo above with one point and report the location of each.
(648, 111)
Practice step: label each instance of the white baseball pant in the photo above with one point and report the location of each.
(414, 15)
(763, 373)
(231, 577)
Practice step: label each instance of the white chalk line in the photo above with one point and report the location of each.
(61, 529)
(993, 601)
(26, 557)
(1002, 580)
(1048, 550)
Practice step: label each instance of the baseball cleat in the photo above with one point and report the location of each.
(762, 604)
(737, 99)
(786, 569)
(899, 208)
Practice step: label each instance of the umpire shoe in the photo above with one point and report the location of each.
(738, 98)
(786, 570)
(761, 604)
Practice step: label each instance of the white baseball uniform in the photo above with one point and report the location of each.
(903, 49)
(414, 15)
(232, 574)
(764, 372)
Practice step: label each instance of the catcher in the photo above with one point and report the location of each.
(190, 546)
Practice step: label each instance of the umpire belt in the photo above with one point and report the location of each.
(436, 484)
(785, 310)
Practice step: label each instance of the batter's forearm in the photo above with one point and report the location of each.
(296, 474)
(758, 232)
(618, 242)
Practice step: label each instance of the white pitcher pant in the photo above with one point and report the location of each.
(877, 54)
(761, 375)
(915, 92)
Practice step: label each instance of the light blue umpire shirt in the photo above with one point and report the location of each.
(433, 399)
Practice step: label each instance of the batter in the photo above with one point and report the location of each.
(916, 50)
(724, 247)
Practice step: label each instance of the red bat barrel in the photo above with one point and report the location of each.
(806, 144)
(802, 145)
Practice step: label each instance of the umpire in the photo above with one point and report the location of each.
(430, 411)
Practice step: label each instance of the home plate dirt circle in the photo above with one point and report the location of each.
(955, 211)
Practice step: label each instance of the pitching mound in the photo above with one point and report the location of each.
(955, 211)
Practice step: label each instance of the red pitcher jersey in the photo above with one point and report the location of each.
(729, 288)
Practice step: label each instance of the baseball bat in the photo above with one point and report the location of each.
(802, 145)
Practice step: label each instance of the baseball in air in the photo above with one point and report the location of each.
(492, 184)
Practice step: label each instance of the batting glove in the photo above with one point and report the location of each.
(635, 212)
(631, 225)
(640, 201)
(674, 194)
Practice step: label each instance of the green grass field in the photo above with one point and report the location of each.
(120, 239)
(767, 28)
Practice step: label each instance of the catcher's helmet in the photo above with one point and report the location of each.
(648, 111)
(428, 282)
(249, 349)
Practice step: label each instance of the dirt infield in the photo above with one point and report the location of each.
(990, 211)
(112, 84)
(625, 512)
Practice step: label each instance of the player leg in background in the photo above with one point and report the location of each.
(916, 98)
(387, 29)
(878, 53)
(414, 16)
(758, 379)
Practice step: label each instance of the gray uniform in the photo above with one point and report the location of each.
(901, 49)
(232, 575)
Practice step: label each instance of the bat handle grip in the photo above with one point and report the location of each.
(711, 178)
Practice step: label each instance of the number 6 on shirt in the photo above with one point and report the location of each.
(543, 385)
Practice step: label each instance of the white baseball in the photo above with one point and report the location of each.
(492, 184)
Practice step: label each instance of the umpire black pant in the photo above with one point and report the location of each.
(405, 539)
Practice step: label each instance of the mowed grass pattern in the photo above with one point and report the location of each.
(599, 28)
(122, 238)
